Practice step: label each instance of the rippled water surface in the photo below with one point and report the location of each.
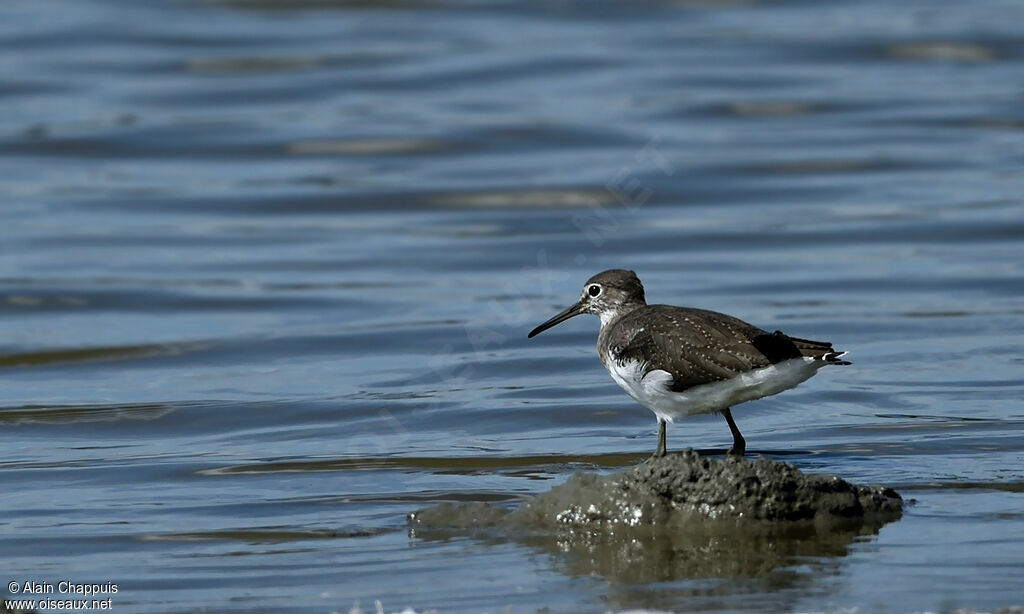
(267, 269)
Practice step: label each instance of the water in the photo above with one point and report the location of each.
(267, 269)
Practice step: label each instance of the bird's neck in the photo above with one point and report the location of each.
(611, 316)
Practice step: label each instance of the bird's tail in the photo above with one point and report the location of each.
(820, 350)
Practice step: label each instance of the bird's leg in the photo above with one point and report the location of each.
(661, 439)
(739, 445)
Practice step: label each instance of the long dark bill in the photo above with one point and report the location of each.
(575, 310)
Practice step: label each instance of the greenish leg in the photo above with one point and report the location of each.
(661, 439)
(739, 445)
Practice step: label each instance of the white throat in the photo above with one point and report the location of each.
(607, 316)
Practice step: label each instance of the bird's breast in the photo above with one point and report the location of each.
(629, 375)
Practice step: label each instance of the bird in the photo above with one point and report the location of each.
(683, 361)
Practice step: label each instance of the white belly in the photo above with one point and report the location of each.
(652, 390)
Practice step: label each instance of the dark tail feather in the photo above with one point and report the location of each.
(835, 358)
(822, 350)
(779, 346)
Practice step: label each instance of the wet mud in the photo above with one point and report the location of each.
(683, 487)
(682, 516)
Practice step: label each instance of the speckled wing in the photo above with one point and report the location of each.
(697, 346)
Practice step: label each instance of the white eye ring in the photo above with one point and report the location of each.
(594, 290)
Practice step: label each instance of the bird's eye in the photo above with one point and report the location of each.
(594, 290)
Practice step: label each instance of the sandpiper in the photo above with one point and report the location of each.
(680, 361)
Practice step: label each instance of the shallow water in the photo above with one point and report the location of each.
(268, 268)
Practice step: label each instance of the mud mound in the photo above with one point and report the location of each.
(682, 487)
(685, 483)
(680, 517)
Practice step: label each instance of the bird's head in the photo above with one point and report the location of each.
(604, 295)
